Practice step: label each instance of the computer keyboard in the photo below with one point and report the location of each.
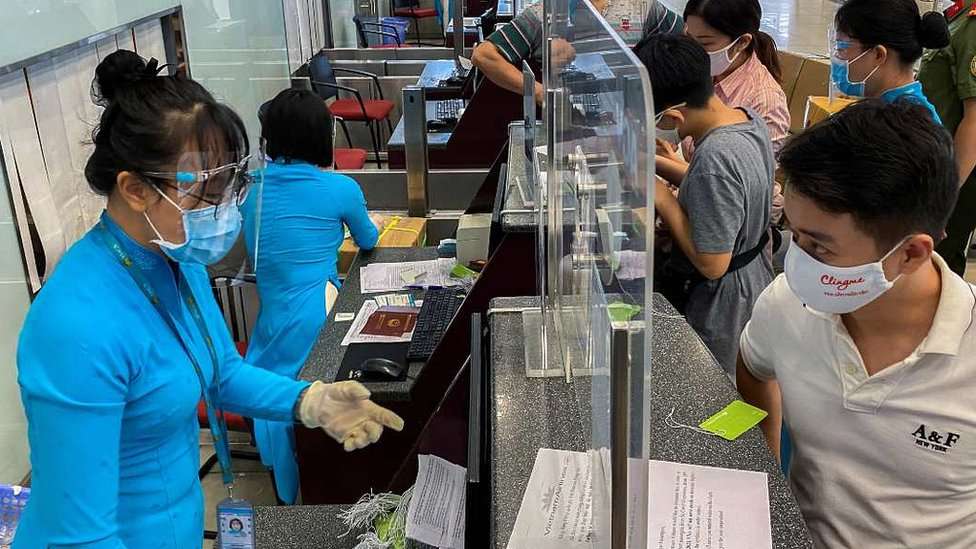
(435, 316)
(447, 109)
(587, 102)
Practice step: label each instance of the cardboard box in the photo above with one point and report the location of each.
(821, 108)
(400, 232)
(803, 76)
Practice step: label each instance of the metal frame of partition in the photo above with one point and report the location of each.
(598, 174)
(61, 50)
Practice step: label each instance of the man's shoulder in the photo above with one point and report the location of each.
(777, 303)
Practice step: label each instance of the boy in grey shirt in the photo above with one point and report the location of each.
(720, 261)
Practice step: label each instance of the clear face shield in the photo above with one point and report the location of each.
(216, 201)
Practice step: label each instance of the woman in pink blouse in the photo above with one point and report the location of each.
(744, 66)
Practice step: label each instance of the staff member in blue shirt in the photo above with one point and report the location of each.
(876, 45)
(303, 214)
(124, 338)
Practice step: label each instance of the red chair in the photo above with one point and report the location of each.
(347, 159)
(368, 111)
(411, 9)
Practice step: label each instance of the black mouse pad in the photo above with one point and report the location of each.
(356, 353)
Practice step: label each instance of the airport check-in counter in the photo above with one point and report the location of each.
(516, 374)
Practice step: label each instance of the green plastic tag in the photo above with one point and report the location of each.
(733, 420)
(460, 271)
(622, 312)
(385, 531)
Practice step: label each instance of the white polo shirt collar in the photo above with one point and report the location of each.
(953, 318)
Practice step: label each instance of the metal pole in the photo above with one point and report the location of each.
(415, 145)
(458, 16)
(619, 436)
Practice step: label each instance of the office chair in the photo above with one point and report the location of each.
(379, 30)
(342, 159)
(356, 109)
(411, 9)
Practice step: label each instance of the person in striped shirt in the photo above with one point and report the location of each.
(500, 56)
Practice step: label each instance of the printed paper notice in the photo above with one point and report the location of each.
(707, 508)
(556, 510)
(436, 513)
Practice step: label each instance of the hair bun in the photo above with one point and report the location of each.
(118, 70)
(933, 31)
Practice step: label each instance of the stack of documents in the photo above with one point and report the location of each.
(391, 277)
(436, 513)
(688, 505)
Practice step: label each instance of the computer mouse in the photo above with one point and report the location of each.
(438, 126)
(377, 369)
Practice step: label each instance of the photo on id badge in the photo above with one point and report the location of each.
(235, 525)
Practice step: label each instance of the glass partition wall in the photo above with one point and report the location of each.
(598, 166)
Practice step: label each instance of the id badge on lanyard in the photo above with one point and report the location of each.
(235, 524)
(234, 515)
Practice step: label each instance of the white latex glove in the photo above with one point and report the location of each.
(343, 410)
(379, 220)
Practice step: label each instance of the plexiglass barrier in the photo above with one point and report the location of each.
(599, 164)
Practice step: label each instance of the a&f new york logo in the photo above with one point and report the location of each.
(933, 440)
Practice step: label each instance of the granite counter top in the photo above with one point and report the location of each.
(306, 527)
(325, 359)
(527, 414)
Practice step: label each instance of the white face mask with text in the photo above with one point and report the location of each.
(836, 290)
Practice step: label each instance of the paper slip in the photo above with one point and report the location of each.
(403, 300)
(391, 277)
(707, 508)
(344, 317)
(355, 335)
(556, 510)
(436, 513)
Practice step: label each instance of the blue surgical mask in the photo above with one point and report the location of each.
(209, 233)
(840, 75)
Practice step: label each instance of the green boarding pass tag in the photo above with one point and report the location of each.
(460, 271)
(733, 420)
(622, 312)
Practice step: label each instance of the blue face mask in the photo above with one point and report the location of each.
(840, 76)
(209, 233)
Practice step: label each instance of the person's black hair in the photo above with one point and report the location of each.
(678, 68)
(298, 126)
(150, 120)
(894, 24)
(888, 165)
(735, 18)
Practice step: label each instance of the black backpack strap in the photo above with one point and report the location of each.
(746, 257)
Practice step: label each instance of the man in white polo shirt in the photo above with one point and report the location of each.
(869, 337)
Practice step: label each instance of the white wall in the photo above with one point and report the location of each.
(13, 305)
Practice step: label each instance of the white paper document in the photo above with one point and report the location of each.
(556, 510)
(436, 513)
(391, 277)
(354, 335)
(707, 508)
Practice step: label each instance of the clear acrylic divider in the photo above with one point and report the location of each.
(599, 251)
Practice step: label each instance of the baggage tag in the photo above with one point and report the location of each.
(235, 524)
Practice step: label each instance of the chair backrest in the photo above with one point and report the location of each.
(320, 70)
(400, 4)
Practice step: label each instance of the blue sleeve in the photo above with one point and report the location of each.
(74, 392)
(244, 389)
(363, 230)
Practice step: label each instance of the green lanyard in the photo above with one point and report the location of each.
(218, 427)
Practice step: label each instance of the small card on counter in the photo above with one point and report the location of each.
(733, 420)
(344, 317)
